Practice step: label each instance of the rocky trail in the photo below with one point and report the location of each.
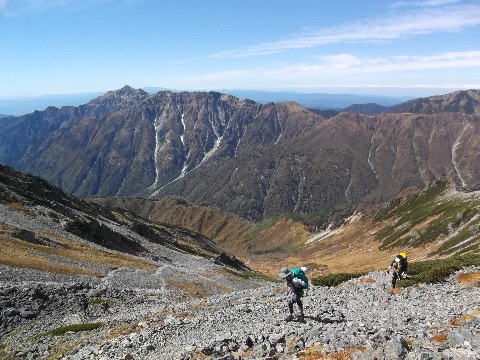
(360, 319)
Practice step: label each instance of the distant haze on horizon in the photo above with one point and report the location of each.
(391, 92)
(403, 48)
(319, 100)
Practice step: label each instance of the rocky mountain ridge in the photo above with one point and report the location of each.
(274, 158)
(48, 230)
(465, 102)
(142, 291)
(25, 105)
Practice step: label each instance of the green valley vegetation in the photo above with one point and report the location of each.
(435, 271)
(71, 328)
(335, 279)
(421, 272)
(432, 215)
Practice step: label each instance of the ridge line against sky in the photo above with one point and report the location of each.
(409, 47)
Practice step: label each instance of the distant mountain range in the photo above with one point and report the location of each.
(255, 160)
(337, 102)
(462, 102)
(25, 105)
(322, 101)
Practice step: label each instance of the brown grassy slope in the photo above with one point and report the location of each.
(18, 253)
(237, 236)
(227, 230)
(277, 236)
(436, 217)
(437, 222)
(352, 250)
(268, 246)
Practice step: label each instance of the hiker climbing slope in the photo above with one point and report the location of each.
(301, 273)
(84, 305)
(400, 267)
(296, 286)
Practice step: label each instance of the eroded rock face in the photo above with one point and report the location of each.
(102, 235)
(257, 161)
(232, 261)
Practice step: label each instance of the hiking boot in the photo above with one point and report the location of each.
(300, 318)
(289, 318)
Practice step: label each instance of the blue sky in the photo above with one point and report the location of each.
(404, 47)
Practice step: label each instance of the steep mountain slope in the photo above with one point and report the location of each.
(45, 229)
(257, 161)
(464, 102)
(228, 230)
(436, 222)
(128, 142)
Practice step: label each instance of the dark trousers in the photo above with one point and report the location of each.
(395, 277)
(295, 299)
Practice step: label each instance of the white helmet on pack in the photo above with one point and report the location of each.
(304, 269)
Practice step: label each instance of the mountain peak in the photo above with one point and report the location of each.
(463, 102)
(127, 90)
(115, 100)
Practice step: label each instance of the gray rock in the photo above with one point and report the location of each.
(458, 337)
(395, 348)
(157, 325)
(10, 312)
(275, 339)
(28, 314)
(475, 342)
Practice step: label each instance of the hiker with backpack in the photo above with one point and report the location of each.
(400, 267)
(105, 307)
(297, 282)
(84, 305)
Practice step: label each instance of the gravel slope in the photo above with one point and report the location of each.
(361, 317)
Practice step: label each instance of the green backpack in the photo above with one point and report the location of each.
(301, 275)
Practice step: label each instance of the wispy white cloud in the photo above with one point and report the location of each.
(425, 3)
(346, 64)
(17, 7)
(426, 21)
(341, 64)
